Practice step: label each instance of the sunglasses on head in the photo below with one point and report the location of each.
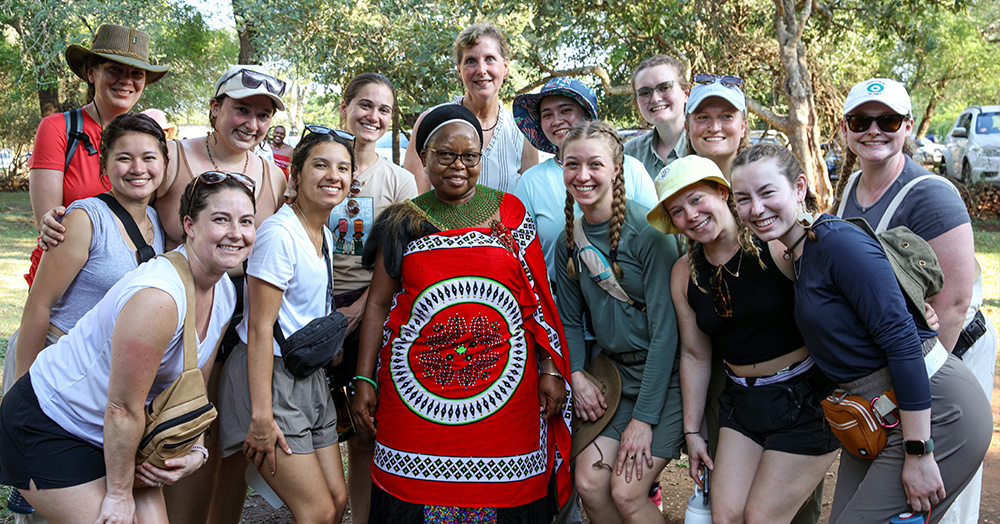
(323, 130)
(726, 80)
(723, 301)
(662, 89)
(253, 79)
(887, 123)
(214, 177)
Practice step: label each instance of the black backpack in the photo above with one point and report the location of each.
(75, 135)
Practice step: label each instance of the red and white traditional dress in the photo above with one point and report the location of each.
(458, 416)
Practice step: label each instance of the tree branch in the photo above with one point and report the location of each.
(770, 117)
(595, 70)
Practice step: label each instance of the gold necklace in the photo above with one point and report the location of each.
(215, 166)
(305, 225)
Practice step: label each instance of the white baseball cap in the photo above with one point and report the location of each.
(243, 81)
(888, 92)
(701, 92)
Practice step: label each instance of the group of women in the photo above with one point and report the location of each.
(471, 320)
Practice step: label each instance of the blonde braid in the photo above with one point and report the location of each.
(695, 252)
(570, 243)
(617, 219)
(846, 168)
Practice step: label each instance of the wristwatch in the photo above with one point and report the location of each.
(918, 447)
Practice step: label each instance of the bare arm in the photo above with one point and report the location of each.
(56, 271)
(45, 188)
(264, 434)
(956, 253)
(412, 162)
(355, 312)
(380, 293)
(142, 331)
(529, 156)
(921, 476)
(696, 369)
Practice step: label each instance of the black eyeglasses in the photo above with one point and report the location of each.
(887, 123)
(353, 207)
(726, 80)
(661, 89)
(723, 302)
(323, 130)
(447, 158)
(253, 79)
(214, 177)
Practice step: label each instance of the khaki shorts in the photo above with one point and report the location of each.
(302, 407)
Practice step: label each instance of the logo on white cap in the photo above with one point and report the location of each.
(876, 87)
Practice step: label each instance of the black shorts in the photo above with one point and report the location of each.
(34, 447)
(806, 433)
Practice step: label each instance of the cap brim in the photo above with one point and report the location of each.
(76, 57)
(603, 374)
(526, 116)
(658, 219)
(240, 94)
(896, 108)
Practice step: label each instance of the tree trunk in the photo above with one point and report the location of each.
(395, 137)
(925, 122)
(48, 100)
(801, 125)
(244, 28)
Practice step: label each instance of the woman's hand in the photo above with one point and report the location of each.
(588, 402)
(177, 468)
(931, 316)
(50, 230)
(551, 395)
(922, 482)
(634, 450)
(261, 440)
(364, 405)
(697, 457)
(117, 508)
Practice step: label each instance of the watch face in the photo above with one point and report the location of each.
(919, 447)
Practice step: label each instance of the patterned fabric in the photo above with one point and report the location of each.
(458, 375)
(454, 515)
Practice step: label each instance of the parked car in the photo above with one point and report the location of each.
(384, 147)
(6, 159)
(834, 157)
(930, 155)
(972, 147)
(770, 136)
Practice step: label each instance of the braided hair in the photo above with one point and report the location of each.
(598, 129)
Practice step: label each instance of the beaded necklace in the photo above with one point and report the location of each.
(216, 166)
(480, 207)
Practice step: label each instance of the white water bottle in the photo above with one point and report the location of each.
(257, 482)
(699, 506)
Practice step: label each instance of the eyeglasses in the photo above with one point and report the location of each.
(887, 123)
(447, 158)
(323, 130)
(723, 302)
(662, 89)
(253, 79)
(353, 207)
(214, 177)
(726, 80)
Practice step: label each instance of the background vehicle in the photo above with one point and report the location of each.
(930, 155)
(972, 148)
(770, 136)
(384, 146)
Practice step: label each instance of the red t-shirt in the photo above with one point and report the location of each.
(83, 177)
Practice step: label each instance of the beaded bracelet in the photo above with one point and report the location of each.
(368, 380)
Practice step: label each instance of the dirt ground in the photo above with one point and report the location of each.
(677, 487)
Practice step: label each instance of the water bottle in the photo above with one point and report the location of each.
(908, 518)
(257, 482)
(699, 506)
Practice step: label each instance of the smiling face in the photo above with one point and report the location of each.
(325, 178)
(482, 69)
(700, 211)
(369, 115)
(766, 201)
(135, 166)
(874, 145)
(117, 85)
(242, 123)
(656, 108)
(221, 235)
(716, 129)
(557, 114)
(454, 183)
(278, 137)
(589, 171)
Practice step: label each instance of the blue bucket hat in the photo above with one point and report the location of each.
(526, 108)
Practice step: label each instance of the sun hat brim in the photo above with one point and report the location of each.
(676, 177)
(525, 109)
(76, 57)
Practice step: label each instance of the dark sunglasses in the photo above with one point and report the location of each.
(353, 207)
(662, 89)
(723, 302)
(253, 79)
(887, 123)
(447, 158)
(214, 177)
(323, 130)
(726, 80)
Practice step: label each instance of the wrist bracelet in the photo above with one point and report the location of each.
(546, 358)
(686, 433)
(203, 450)
(368, 380)
(557, 375)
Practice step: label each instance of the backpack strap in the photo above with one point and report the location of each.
(853, 179)
(600, 269)
(143, 251)
(75, 135)
(190, 342)
(898, 199)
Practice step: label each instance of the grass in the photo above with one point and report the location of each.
(17, 230)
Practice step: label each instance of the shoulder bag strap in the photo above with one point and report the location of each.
(601, 271)
(74, 126)
(190, 344)
(278, 335)
(143, 251)
(898, 199)
(847, 192)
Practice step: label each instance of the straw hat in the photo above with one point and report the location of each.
(680, 174)
(603, 374)
(122, 44)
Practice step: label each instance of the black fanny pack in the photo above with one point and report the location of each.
(764, 409)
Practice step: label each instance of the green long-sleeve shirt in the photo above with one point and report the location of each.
(645, 257)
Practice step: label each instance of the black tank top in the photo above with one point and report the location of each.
(762, 326)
